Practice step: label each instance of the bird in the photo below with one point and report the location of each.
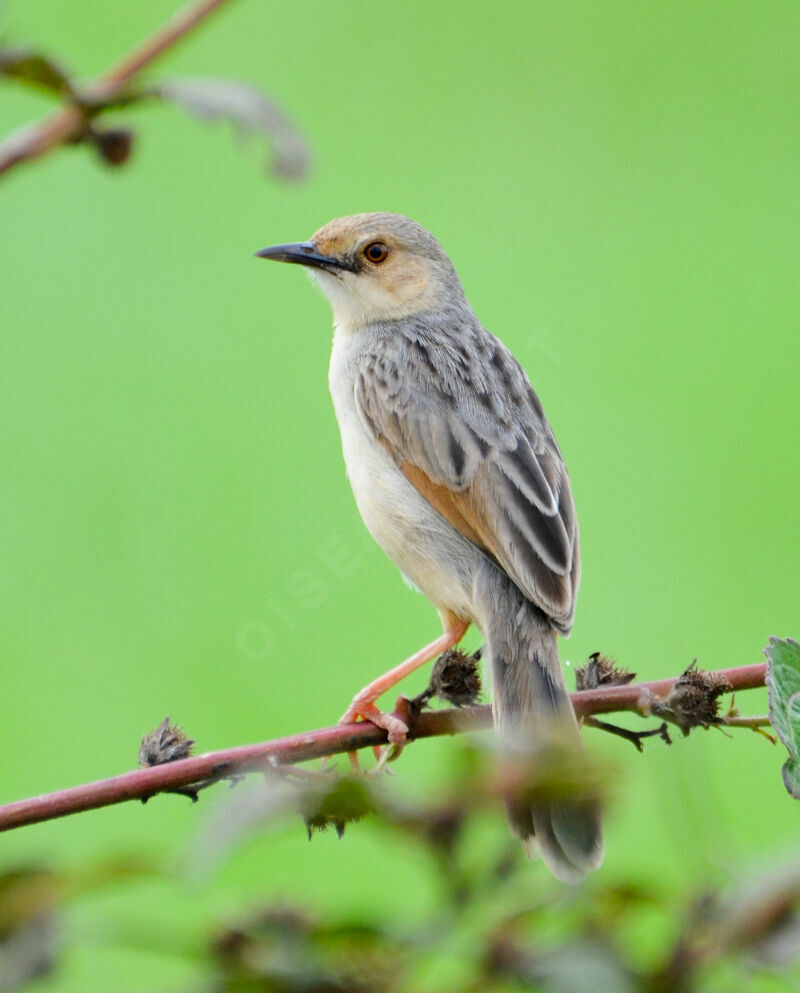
(458, 477)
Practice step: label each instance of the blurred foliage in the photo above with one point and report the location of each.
(489, 930)
(31, 900)
(247, 108)
(24, 65)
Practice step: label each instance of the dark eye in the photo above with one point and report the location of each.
(376, 252)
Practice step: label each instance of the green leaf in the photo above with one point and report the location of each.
(783, 688)
(34, 69)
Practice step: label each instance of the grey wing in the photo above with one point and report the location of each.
(461, 420)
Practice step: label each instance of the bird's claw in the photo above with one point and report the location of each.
(387, 754)
(395, 727)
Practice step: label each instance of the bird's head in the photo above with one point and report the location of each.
(375, 267)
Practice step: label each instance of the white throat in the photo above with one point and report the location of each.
(359, 300)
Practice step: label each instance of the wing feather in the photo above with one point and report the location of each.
(463, 424)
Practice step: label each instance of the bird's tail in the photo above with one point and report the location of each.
(533, 715)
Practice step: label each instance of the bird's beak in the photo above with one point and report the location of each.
(304, 253)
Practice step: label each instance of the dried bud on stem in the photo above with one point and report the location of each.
(601, 670)
(166, 743)
(455, 678)
(694, 700)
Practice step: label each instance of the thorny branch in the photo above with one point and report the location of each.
(69, 122)
(186, 774)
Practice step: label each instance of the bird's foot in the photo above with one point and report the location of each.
(395, 727)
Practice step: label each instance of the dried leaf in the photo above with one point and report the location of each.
(783, 689)
(250, 110)
(33, 69)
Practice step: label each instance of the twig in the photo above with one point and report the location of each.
(179, 25)
(634, 737)
(757, 724)
(636, 697)
(737, 721)
(144, 783)
(70, 121)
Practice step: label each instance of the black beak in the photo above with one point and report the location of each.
(304, 253)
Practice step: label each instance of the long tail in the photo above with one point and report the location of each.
(531, 704)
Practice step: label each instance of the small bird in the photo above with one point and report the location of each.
(459, 479)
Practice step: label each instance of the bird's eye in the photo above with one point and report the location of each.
(376, 252)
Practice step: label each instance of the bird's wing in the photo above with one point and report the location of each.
(461, 421)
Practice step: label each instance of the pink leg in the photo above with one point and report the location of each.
(363, 705)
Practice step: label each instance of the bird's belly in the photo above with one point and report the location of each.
(421, 543)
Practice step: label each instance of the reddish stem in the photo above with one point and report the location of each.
(181, 23)
(142, 783)
(66, 123)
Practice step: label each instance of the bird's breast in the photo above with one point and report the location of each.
(421, 543)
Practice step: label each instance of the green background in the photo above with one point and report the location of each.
(617, 185)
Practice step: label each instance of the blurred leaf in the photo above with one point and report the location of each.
(583, 965)
(614, 901)
(783, 688)
(247, 108)
(26, 892)
(336, 801)
(756, 915)
(780, 946)
(29, 952)
(109, 872)
(28, 925)
(285, 950)
(33, 69)
(238, 816)
(583, 962)
(31, 898)
(753, 913)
